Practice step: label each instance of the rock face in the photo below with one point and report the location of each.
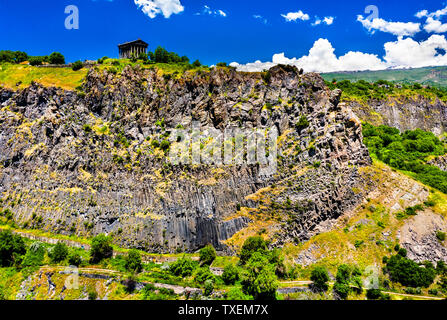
(405, 113)
(418, 236)
(440, 162)
(94, 161)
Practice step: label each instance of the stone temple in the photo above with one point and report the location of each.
(135, 48)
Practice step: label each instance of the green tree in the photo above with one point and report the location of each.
(196, 64)
(207, 255)
(34, 255)
(74, 259)
(133, 261)
(59, 252)
(230, 274)
(56, 58)
(78, 65)
(259, 279)
(342, 285)
(250, 246)
(236, 294)
(203, 274)
(320, 278)
(101, 248)
(35, 61)
(209, 287)
(12, 248)
(183, 267)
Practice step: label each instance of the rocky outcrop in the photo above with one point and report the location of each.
(405, 113)
(93, 161)
(440, 162)
(418, 237)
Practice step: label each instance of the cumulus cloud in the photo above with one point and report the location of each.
(435, 26)
(328, 20)
(421, 14)
(152, 8)
(321, 58)
(403, 53)
(432, 22)
(208, 11)
(399, 29)
(410, 53)
(294, 16)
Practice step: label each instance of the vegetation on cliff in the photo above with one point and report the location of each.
(364, 91)
(408, 151)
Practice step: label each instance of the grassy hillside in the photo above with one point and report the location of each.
(433, 76)
(20, 76)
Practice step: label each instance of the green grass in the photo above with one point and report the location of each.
(65, 78)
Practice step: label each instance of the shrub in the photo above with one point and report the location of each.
(237, 295)
(12, 248)
(408, 151)
(133, 261)
(409, 273)
(56, 58)
(209, 287)
(302, 123)
(376, 294)
(259, 279)
(74, 259)
(440, 235)
(207, 255)
(101, 248)
(320, 278)
(183, 267)
(196, 64)
(203, 274)
(78, 65)
(92, 295)
(230, 274)
(250, 246)
(35, 61)
(59, 252)
(345, 278)
(34, 255)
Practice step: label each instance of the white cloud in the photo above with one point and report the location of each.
(421, 14)
(321, 58)
(432, 23)
(410, 53)
(399, 29)
(208, 11)
(435, 26)
(328, 20)
(152, 8)
(403, 53)
(293, 16)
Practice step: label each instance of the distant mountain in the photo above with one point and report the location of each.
(434, 76)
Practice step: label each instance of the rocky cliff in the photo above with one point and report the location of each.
(95, 161)
(404, 113)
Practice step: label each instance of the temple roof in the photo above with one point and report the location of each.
(136, 42)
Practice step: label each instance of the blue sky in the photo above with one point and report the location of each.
(241, 31)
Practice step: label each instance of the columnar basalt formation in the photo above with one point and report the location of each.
(94, 161)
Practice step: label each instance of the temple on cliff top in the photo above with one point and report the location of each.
(133, 48)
